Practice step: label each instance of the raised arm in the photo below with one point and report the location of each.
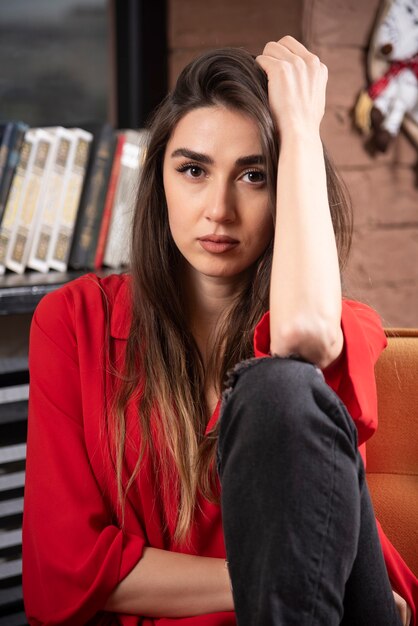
(305, 293)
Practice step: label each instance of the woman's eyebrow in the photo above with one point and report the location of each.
(251, 159)
(194, 156)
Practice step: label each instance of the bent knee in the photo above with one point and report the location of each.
(282, 398)
(262, 390)
(273, 379)
(265, 410)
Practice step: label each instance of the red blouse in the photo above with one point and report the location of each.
(74, 554)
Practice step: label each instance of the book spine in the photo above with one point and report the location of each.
(92, 205)
(110, 196)
(13, 157)
(117, 247)
(15, 196)
(20, 241)
(64, 228)
(5, 148)
(38, 256)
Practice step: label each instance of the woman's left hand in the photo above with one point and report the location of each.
(403, 608)
(296, 84)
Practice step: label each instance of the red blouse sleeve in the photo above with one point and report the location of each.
(73, 555)
(351, 376)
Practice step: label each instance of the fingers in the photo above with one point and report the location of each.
(296, 84)
(287, 48)
(290, 52)
(403, 608)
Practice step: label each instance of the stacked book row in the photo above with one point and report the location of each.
(67, 196)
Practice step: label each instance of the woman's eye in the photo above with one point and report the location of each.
(255, 176)
(194, 171)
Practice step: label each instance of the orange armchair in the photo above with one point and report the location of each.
(392, 453)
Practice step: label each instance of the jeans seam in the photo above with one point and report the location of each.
(325, 534)
(332, 410)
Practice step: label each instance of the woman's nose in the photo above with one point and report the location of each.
(220, 206)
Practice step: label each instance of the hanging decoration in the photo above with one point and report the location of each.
(391, 99)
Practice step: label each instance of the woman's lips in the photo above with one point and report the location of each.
(217, 244)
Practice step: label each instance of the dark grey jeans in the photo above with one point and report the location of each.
(299, 527)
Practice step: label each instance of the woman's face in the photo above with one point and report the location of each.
(216, 191)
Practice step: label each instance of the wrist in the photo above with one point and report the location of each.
(228, 586)
(227, 573)
(299, 133)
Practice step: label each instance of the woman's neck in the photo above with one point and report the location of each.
(207, 299)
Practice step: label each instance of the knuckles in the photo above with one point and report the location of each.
(274, 49)
(270, 47)
(287, 39)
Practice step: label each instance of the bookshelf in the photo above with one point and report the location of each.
(20, 293)
(19, 296)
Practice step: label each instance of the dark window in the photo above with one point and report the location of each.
(54, 59)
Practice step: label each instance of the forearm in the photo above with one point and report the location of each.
(305, 297)
(169, 584)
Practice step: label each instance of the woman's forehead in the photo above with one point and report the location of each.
(216, 128)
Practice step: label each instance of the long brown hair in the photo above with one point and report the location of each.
(172, 404)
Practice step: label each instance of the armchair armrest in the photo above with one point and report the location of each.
(392, 453)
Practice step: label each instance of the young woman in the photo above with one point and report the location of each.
(126, 455)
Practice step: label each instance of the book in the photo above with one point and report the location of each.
(133, 152)
(17, 189)
(93, 198)
(63, 230)
(32, 197)
(6, 131)
(38, 254)
(110, 195)
(11, 145)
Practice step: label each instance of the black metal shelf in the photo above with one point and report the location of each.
(20, 293)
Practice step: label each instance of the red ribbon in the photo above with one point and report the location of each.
(379, 85)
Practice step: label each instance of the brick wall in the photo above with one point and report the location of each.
(198, 25)
(383, 269)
